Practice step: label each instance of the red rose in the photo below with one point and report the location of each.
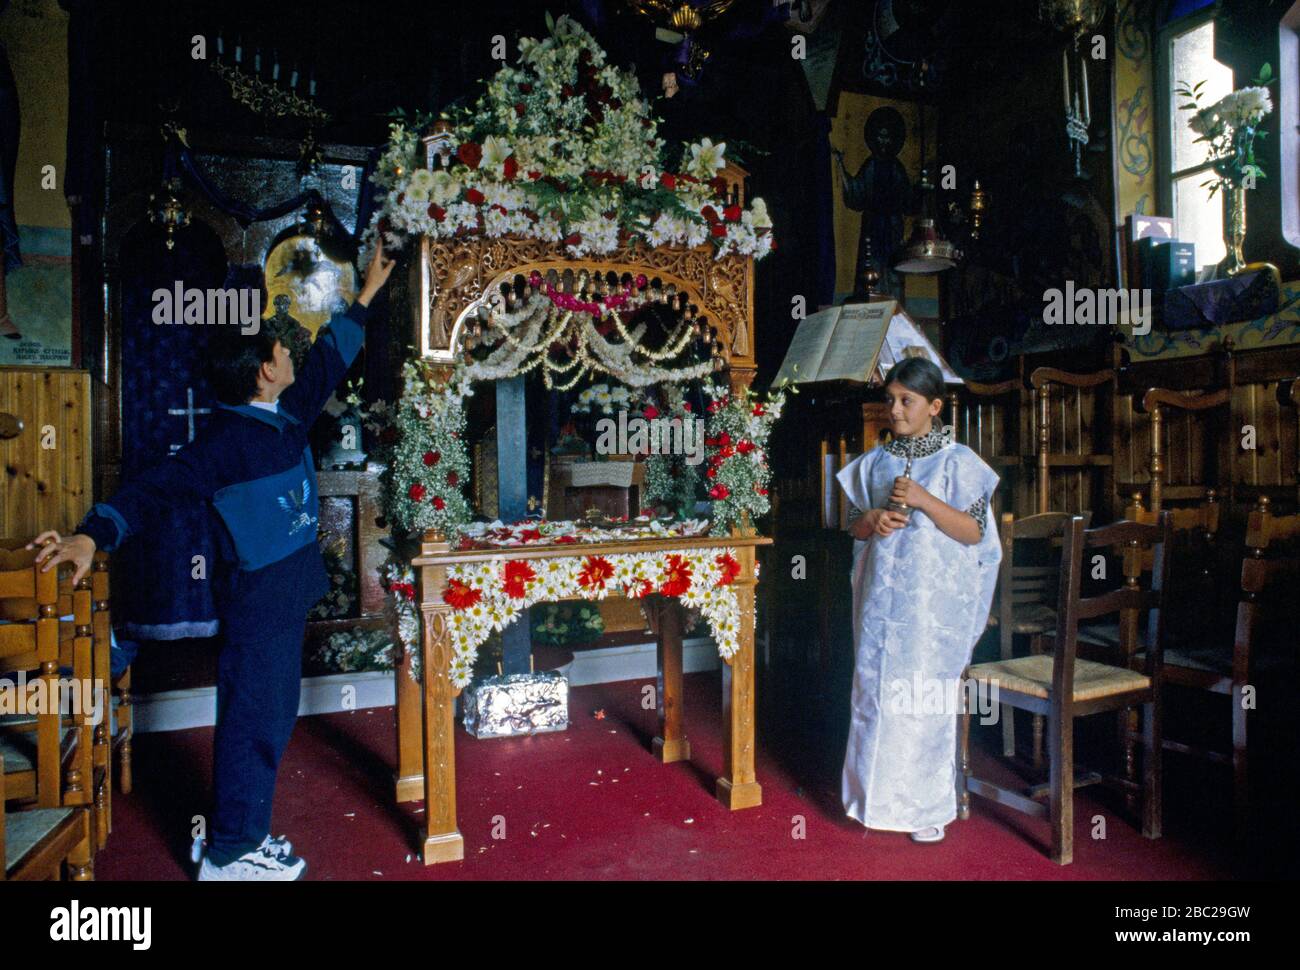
(718, 230)
(416, 492)
(731, 213)
(668, 180)
(471, 153)
(511, 168)
(437, 213)
(651, 411)
(459, 596)
(432, 458)
(709, 213)
(712, 473)
(517, 574)
(439, 502)
(724, 439)
(758, 410)
(474, 196)
(453, 479)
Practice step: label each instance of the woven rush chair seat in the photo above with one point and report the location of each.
(19, 749)
(25, 830)
(1032, 676)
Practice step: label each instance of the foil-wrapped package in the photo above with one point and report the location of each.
(517, 704)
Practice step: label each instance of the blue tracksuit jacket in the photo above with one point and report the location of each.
(256, 468)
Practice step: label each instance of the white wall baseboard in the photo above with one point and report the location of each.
(178, 710)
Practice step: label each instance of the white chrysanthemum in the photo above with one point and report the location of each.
(444, 189)
(419, 185)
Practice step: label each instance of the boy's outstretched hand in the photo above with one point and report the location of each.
(78, 549)
(377, 274)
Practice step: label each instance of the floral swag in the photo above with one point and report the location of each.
(487, 596)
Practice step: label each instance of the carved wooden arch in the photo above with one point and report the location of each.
(457, 277)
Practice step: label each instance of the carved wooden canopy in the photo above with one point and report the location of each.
(456, 276)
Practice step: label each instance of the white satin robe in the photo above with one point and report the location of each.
(920, 603)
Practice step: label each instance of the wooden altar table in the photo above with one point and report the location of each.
(426, 751)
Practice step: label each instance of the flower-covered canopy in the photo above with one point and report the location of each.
(563, 148)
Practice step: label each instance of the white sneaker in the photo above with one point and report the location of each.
(933, 833)
(278, 845)
(263, 864)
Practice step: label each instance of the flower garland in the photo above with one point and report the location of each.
(488, 596)
(562, 147)
(736, 441)
(427, 462)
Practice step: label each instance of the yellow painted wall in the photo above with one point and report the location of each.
(35, 33)
(846, 135)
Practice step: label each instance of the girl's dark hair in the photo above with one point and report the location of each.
(917, 374)
(234, 358)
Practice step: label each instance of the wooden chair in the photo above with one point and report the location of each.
(1026, 597)
(34, 746)
(1158, 402)
(1067, 421)
(35, 844)
(1064, 688)
(1228, 667)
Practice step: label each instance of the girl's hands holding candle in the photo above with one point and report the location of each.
(909, 493)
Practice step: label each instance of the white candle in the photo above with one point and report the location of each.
(1087, 112)
(1065, 77)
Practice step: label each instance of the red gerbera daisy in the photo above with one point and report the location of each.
(459, 596)
(595, 570)
(730, 569)
(517, 575)
(677, 578)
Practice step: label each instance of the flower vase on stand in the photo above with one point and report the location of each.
(1234, 231)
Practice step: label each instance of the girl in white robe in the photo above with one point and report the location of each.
(922, 588)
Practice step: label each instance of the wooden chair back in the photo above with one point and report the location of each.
(1074, 415)
(1163, 404)
(29, 647)
(1127, 601)
(986, 419)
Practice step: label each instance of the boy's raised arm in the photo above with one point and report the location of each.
(335, 347)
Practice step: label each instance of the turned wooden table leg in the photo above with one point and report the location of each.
(442, 841)
(409, 777)
(671, 744)
(738, 788)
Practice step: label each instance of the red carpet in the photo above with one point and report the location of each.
(593, 803)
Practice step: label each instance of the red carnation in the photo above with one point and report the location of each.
(712, 472)
(760, 490)
(719, 491)
(416, 492)
(573, 239)
(452, 478)
(724, 439)
(758, 410)
(474, 196)
(511, 168)
(432, 458)
(459, 596)
(731, 213)
(668, 180)
(437, 213)
(517, 574)
(519, 109)
(471, 153)
(534, 174)
(745, 447)
(718, 229)
(439, 502)
(651, 411)
(709, 213)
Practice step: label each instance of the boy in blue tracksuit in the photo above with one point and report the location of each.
(254, 464)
